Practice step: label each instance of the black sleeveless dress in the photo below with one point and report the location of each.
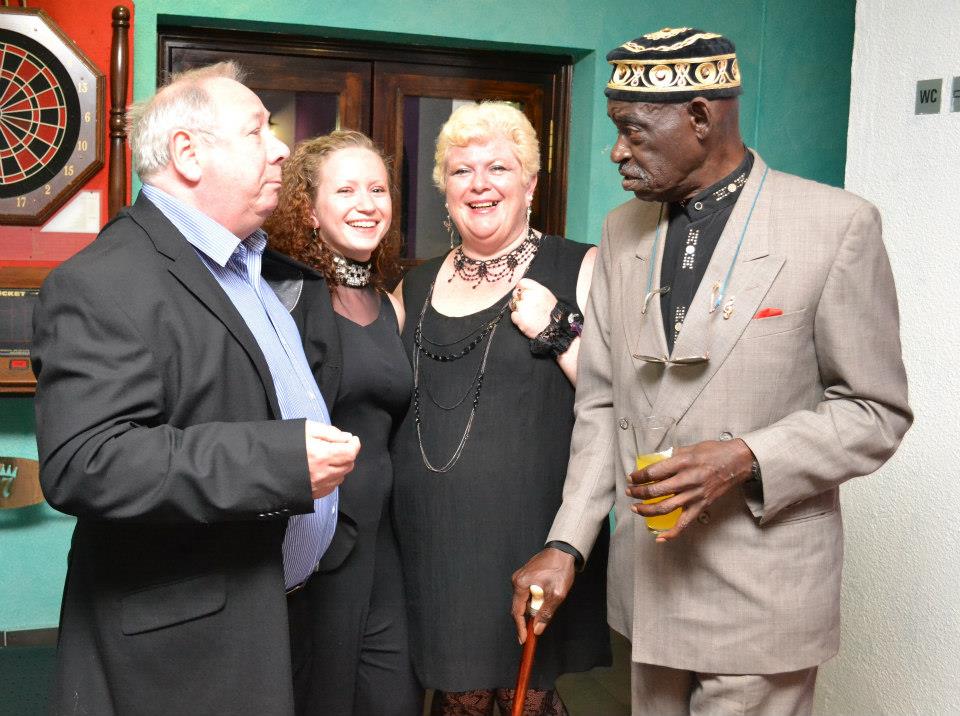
(348, 625)
(462, 534)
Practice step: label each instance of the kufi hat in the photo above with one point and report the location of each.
(674, 65)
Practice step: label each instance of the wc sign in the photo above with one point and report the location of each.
(930, 96)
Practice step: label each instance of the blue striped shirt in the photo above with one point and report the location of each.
(235, 264)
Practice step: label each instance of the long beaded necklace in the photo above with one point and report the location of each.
(487, 329)
(492, 270)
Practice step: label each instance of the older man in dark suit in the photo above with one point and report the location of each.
(179, 420)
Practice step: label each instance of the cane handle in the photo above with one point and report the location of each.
(536, 597)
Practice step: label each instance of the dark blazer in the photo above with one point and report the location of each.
(157, 427)
(305, 293)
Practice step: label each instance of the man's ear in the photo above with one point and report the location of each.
(701, 116)
(185, 155)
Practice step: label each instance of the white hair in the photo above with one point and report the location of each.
(483, 121)
(182, 103)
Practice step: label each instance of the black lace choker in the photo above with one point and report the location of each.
(492, 270)
(348, 272)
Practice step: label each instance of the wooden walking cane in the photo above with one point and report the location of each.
(529, 646)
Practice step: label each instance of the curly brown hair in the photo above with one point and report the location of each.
(289, 229)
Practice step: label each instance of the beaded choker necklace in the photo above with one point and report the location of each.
(351, 273)
(492, 270)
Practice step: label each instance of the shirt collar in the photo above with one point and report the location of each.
(717, 196)
(206, 235)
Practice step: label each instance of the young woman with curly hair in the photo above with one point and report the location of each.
(348, 627)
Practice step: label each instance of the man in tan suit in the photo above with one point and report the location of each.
(758, 311)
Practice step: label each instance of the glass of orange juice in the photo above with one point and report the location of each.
(655, 440)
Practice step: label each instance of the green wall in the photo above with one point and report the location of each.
(794, 57)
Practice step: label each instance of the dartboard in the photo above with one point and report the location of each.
(39, 113)
(50, 117)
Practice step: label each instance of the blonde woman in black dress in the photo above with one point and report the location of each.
(492, 332)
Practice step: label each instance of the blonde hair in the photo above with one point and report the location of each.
(481, 122)
(182, 103)
(289, 228)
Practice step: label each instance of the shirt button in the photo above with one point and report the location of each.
(726, 436)
(698, 206)
(311, 395)
(704, 518)
(623, 424)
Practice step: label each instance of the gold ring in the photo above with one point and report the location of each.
(513, 303)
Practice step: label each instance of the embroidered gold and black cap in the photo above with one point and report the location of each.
(674, 65)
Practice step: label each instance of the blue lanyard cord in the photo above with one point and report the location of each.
(723, 288)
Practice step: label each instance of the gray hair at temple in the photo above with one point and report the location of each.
(181, 104)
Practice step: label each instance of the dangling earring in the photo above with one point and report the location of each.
(529, 211)
(315, 235)
(451, 229)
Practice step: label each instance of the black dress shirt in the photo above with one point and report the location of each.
(692, 235)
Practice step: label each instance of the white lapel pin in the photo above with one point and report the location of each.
(728, 308)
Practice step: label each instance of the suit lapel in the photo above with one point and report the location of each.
(321, 338)
(643, 332)
(188, 269)
(711, 335)
(331, 369)
(304, 293)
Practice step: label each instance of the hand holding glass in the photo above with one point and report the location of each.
(654, 438)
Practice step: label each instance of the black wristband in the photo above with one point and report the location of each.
(554, 340)
(569, 549)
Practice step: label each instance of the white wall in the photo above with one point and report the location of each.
(900, 652)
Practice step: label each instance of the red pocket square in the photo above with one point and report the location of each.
(768, 313)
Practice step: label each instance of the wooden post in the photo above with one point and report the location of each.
(119, 74)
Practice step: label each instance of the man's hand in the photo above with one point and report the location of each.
(696, 476)
(330, 456)
(553, 570)
(531, 304)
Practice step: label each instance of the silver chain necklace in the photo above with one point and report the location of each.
(489, 330)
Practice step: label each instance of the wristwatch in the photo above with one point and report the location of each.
(755, 470)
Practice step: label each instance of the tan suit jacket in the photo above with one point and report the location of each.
(819, 394)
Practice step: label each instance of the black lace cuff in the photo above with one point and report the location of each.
(554, 340)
